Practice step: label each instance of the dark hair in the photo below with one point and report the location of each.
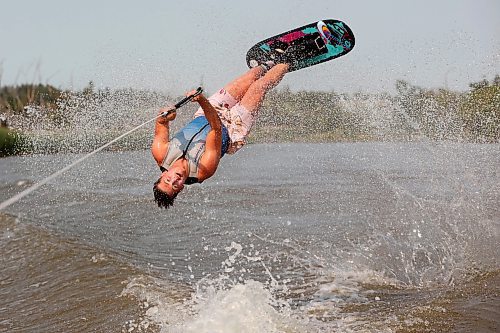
(162, 199)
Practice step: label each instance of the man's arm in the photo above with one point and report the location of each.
(210, 159)
(161, 137)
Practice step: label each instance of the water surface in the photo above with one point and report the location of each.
(343, 237)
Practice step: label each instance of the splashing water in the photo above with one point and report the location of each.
(232, 301)
(32, 188)
(224, 304)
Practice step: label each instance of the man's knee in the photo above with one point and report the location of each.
(262, 85)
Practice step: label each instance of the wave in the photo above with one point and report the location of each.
(66, 285)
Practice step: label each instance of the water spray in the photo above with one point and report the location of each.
(35, 186)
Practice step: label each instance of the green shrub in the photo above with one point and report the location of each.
(8, 141)
(481, 112)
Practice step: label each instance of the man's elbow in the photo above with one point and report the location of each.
(215, 125)
(204, 173)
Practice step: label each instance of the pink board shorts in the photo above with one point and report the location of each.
(237, 119)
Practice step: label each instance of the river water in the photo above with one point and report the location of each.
(338, 237)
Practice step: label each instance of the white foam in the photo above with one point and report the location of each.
(245, 308)
(230, 302)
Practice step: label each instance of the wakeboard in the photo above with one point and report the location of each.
(303, 47)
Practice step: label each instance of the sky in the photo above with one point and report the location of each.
(174, 46)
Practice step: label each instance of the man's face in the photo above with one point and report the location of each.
(172, 181)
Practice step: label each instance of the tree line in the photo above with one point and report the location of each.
(411, 113)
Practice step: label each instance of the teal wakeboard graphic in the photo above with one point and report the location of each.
(305, 46)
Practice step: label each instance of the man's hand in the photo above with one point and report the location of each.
(195, 98)
(169, 117)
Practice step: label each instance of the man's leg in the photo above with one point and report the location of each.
(232, 93)
(252, 99)
(244, 113)
(239, 86)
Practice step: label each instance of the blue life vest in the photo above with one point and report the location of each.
(189, 143)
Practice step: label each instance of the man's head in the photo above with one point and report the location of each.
(166, 188)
